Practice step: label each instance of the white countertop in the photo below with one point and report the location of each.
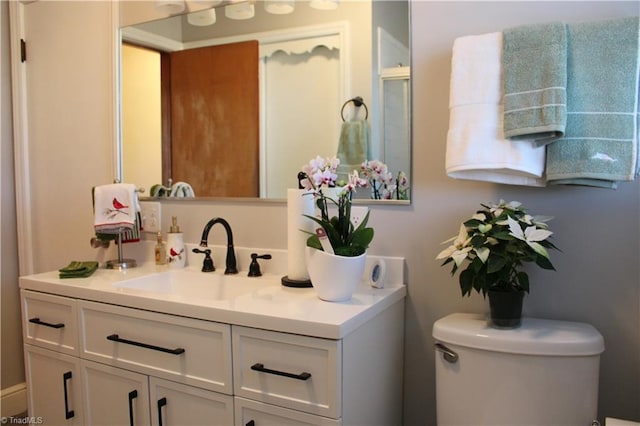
(269, 306)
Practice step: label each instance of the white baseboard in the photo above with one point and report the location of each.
(13, 400)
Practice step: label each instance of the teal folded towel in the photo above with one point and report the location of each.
(353, 147)
(78, 269)
(534, 62)
(600, 145)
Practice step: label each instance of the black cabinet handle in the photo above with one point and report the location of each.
(132, 395)
(116, 338)
(260, 367)
(46, 324)
(67, 413)
(250, 423)
(161, 403)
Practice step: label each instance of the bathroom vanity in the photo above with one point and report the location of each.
(163, 347)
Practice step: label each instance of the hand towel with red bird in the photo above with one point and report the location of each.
(115, 207)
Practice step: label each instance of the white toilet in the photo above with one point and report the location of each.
(543, 373)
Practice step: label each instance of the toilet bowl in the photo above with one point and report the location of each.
(543, 373)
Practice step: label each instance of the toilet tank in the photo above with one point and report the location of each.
(543, 373)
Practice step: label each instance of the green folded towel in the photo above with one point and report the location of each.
(600, 145)
(534, 61)
(78, 269)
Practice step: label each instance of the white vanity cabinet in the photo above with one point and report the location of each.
(51, 358)
(97, 354)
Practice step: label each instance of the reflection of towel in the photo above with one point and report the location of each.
(600, 144)
(535, 81)
(476, 147)
(115, 208)
(353, 147)
(182, 190)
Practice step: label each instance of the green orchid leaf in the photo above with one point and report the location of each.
(362, 237)
(314, 242)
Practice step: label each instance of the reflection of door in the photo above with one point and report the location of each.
(214, 119)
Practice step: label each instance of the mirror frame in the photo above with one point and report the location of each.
(258, 200)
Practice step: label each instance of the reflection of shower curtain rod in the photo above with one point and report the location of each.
(358, 102)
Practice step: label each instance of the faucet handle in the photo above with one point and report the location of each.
(254, 267)
(207, 264)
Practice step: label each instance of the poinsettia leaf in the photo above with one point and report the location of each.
(495, 263)
(544, 263)
(466, 282)
(502, 235)
(523, 279)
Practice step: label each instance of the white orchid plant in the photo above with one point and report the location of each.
(494, 244)
(384, 186)
(345, 239)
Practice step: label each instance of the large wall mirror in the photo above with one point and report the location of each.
(234, 99)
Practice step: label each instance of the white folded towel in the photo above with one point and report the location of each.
(476, 146)
(115, 207)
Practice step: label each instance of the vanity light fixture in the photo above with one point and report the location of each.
(202, 18)
(279, 7)
(324, 4)
(170, 7)
(239, 11)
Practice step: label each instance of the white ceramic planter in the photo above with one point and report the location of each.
(334, 278)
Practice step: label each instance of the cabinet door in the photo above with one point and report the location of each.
(175, 404)
(254, 413)
(114, 396)
(53, 384)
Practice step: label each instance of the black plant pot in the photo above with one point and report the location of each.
(506, 308)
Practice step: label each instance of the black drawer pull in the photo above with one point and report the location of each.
(260, 367)
(46, 324)
(251, 423)
(132, 395)
(161, 403)
(68, 414)
(116, 338)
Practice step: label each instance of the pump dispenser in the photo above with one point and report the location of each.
(175, 243)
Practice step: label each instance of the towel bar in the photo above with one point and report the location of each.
(358, 102)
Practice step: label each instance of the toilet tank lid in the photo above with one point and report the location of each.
(533, 337)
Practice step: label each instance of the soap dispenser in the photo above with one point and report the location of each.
(160, 251)
(175, 245)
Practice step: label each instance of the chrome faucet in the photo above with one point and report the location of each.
(231, 267)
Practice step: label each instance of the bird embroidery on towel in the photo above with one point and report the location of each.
(118, 208)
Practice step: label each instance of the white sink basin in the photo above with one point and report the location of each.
(195, 284)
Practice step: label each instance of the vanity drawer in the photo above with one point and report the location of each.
(288, 370)
(260, 414)
(50, 321)
(185, 350)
